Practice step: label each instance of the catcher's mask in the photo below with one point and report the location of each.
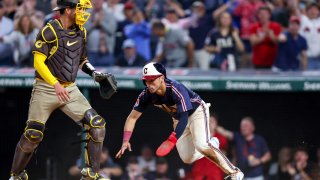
(152, 71)
(81, 6)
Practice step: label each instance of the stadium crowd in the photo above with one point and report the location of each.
(278, 35)
(281, 35)
(249, 150)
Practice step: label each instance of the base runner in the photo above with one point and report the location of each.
(190, 115)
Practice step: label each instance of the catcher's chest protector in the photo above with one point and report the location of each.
(65, 60)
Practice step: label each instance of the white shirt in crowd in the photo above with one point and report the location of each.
(310, 29)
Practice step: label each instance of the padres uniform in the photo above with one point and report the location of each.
(59, 53)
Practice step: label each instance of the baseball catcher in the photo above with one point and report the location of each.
(59, 51)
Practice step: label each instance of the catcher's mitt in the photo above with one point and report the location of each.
(108, 84)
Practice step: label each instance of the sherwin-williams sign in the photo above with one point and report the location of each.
(129, 78)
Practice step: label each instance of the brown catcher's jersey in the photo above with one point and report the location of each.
(65, 50)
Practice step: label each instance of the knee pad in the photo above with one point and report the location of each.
(95, 124)
(34, 131)
(32, 136)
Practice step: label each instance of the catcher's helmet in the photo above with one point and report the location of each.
(61, 4)
(153, 70)
(81, 6)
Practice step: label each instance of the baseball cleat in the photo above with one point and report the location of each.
(22, 176)
(238, 175)
(88, 174)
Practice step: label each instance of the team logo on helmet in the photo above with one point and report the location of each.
(152, 71)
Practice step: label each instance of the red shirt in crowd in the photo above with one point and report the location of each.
(205, 169)
(247, 11)
(264, 53)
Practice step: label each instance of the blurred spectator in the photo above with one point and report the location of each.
(252, 151)
(54, 14)
(130, 57)
(133, 170)
(223, 42)
(146, 160)
(108, 167)
(161, 172)
(280, 170)
(6, 25)
(128, 13)
(10, 7)
(139, 32)
(247, 11)
(22, 40)
(281, 12)
(116, 8)
(174, 46)
(28, 7)
(172, 20)
(155, 9)
(309, 29)
(302, 168)
(101, 32)
(204, 168)
(229, 6)
(264, 40)
(198, 33)
(141, 4)
(292, 49)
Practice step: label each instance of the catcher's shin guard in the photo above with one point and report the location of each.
(29, 141)
(95, 132)
(22, 176)
(88, 174)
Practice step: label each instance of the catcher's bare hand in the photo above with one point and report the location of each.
(125, 145)
(61, 92)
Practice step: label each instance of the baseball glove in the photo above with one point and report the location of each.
(108, 84)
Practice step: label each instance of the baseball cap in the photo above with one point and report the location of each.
(153, 70)
(295, 19)
(128, 43)
(128, 6)
(197, 4)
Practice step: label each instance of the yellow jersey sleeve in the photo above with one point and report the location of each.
(43, 69)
